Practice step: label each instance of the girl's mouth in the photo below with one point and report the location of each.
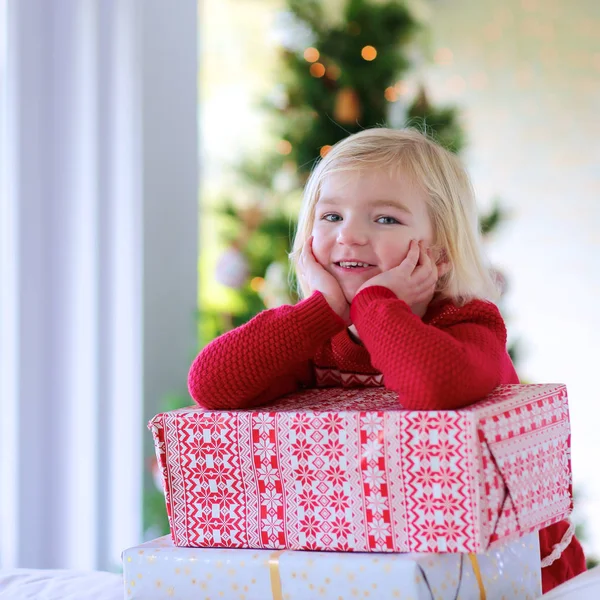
(353, 266)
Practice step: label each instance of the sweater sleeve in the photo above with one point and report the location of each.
(267, 357)
(449, 363)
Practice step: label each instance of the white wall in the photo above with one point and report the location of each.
(526, 77)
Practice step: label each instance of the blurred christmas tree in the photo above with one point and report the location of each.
(338, 76)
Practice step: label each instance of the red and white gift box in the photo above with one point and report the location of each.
(350, 470)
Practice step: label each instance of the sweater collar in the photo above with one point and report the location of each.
(349, 351)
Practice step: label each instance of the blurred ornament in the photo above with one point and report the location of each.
(274, 290)
(278, 97)
(286, 178)
(252, 216)
(232, 268)
(347, 106)
(291, 33)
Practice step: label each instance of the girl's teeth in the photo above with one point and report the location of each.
(353, 264)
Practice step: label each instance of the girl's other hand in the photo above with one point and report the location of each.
(413, 280)
(318, 279)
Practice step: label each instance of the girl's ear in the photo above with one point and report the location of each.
(440, 255)
(443, 269)
(442, 262)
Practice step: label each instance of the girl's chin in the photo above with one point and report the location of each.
(349, 293)
(350, 289)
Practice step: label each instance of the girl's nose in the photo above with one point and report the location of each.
(352, 233)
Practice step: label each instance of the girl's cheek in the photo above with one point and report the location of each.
(319, 249)
(315, 232)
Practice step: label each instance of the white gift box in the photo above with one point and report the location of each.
(158, 569)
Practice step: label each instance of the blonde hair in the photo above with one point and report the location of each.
(451, 202)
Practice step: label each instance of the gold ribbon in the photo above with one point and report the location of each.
(274, 573)
(277, 594)
(475, 565)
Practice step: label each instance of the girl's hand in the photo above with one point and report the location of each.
(318, 279)
(413, 280)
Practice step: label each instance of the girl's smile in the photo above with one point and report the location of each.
(349, 269)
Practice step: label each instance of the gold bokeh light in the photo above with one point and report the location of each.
(284, 147)
(311, 55)
(317, 70)
(368, 53)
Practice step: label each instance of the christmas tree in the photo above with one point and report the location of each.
(335, 79)
(338, 76)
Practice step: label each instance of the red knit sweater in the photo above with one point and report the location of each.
(449, 359)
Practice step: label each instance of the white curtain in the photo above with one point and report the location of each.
(98, 275)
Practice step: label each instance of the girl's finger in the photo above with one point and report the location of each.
(307, 249)
(431, 266)
(412, 258)
(424, 280)
(425, 256)
(426, 289)
(424, 268)
(420, 260)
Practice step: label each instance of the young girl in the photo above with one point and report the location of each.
(396, 293)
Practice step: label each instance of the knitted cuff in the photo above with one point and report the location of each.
(374, 293)
(317, 318)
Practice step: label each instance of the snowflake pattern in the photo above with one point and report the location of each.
(373, 476)
(308, 500)
(272, 525)
(372, 450)
(333, 423)
(348, 469)
(263, 423)
(336, 475)
(376, 503)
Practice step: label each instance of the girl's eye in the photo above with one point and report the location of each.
(388, 221)
(333, 218)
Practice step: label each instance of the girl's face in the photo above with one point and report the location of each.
(367, 218)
